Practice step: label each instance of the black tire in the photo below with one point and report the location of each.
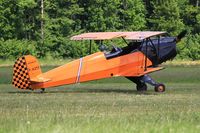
(141, 87)
(42, 90)
(160, 88)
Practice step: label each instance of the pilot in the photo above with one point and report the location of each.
(116, 51)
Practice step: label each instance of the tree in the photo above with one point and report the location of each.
(8, 18)
(28, 14)
(99, 15)
(166, 17)
(190, 13)
(132, 15)
(60, 21)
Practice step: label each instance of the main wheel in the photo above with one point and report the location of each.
(160, 88)
(141, 87)
(42, 90)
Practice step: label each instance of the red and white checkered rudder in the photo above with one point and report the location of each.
(24, 69)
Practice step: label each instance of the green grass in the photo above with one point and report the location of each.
(109, 105)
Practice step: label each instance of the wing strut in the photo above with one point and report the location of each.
(145, 66)
(125, 40)
(90, 47)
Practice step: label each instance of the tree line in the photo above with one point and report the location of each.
(43, 27)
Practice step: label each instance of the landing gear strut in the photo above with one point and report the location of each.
(141, 83)
(42, 90)
(141, 87)
(158, 86)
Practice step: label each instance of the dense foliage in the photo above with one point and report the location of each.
(26, 29)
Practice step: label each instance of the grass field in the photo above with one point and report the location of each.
(104, 106)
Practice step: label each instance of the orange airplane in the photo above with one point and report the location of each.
(142, 55)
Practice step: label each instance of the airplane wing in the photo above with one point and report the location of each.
(136, 35)
(150, 70)
(97, 36)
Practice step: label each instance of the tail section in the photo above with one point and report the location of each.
(25, 68)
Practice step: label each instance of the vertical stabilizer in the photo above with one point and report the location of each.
(24, 69)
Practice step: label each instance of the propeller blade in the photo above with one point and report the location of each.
(181, 35)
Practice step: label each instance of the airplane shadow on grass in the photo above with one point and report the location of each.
(82, 90)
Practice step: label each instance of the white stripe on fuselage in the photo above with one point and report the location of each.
(79, 70)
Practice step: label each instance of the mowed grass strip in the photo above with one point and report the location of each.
(105, 106)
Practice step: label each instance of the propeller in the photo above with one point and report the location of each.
(180, 36)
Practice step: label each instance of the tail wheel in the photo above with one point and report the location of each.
(160, 88)
(141, 87)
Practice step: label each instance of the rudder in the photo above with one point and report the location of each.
(24, 69)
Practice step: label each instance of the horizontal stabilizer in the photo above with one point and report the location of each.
(39, 79)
